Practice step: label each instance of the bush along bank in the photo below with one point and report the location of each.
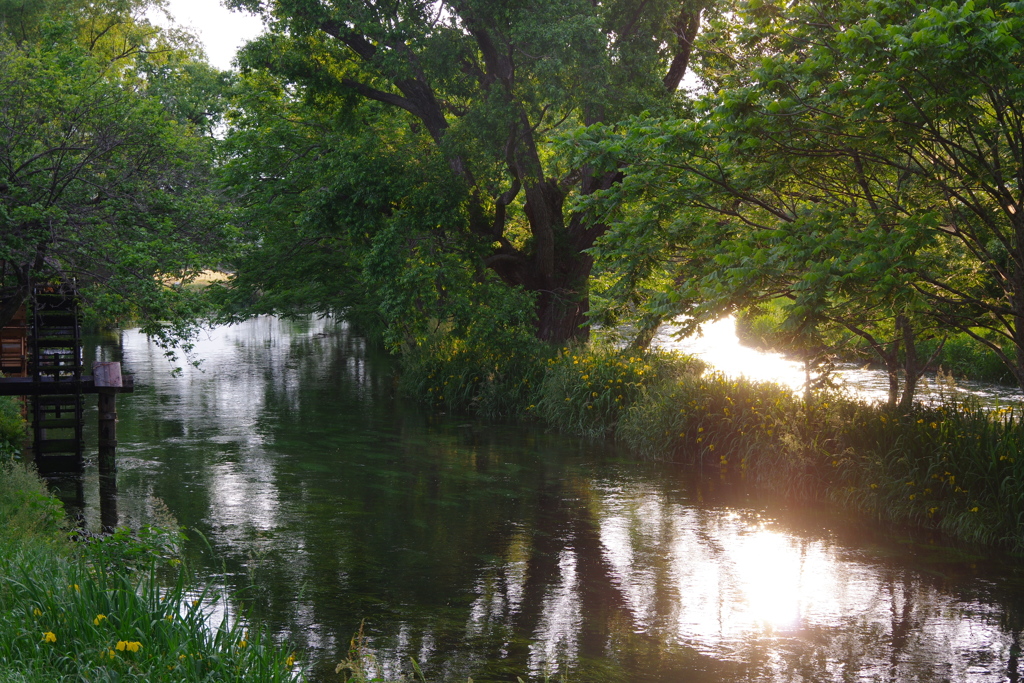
(113, 608)
(953, 467)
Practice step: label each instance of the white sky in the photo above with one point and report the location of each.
(222, 30)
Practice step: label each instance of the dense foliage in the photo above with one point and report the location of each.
(407, 146)
(858, 161)
(105, 161)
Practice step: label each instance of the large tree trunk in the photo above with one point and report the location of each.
(554, 266)
(562, 309)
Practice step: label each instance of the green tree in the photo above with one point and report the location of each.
(98, 181)
(481, 89)
(836, 168)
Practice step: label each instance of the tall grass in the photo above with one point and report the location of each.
(471, 376)
(588, 391)
(119, 608)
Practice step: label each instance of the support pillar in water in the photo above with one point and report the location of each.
(107, 377)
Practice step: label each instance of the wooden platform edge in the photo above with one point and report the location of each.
(27, 386)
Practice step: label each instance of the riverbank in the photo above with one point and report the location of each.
(121, 607)
(960, 356)
(953, 467)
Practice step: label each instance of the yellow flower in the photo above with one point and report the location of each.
(290, 662)
(974, 509)
(169, 617)
(99, 618)
(243, 643)
(49, 637)
(37, 612)
(112, 653)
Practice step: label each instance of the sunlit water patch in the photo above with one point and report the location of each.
(718, 345)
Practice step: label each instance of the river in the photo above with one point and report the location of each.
(721, 348)
(498, 551)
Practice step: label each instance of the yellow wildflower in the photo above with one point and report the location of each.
(37, 612)
(49, 637)
(98, 619)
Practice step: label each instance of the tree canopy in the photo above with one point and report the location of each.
(454, 107)
(859, 160)
(104, 179)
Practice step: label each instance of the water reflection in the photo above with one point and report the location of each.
(497, 551)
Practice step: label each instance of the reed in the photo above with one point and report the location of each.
(468, 376)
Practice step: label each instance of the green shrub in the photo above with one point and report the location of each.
(587, 391)
(12, 430)
(471, 375)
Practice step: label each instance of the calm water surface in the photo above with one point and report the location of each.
(496, 551)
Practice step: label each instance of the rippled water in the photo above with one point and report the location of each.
(498, 551)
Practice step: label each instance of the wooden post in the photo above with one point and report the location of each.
(107, 379)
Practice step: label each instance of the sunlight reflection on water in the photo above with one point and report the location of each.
(719, 346)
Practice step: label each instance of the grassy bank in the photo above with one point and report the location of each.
(953, 468)
(113, 608)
